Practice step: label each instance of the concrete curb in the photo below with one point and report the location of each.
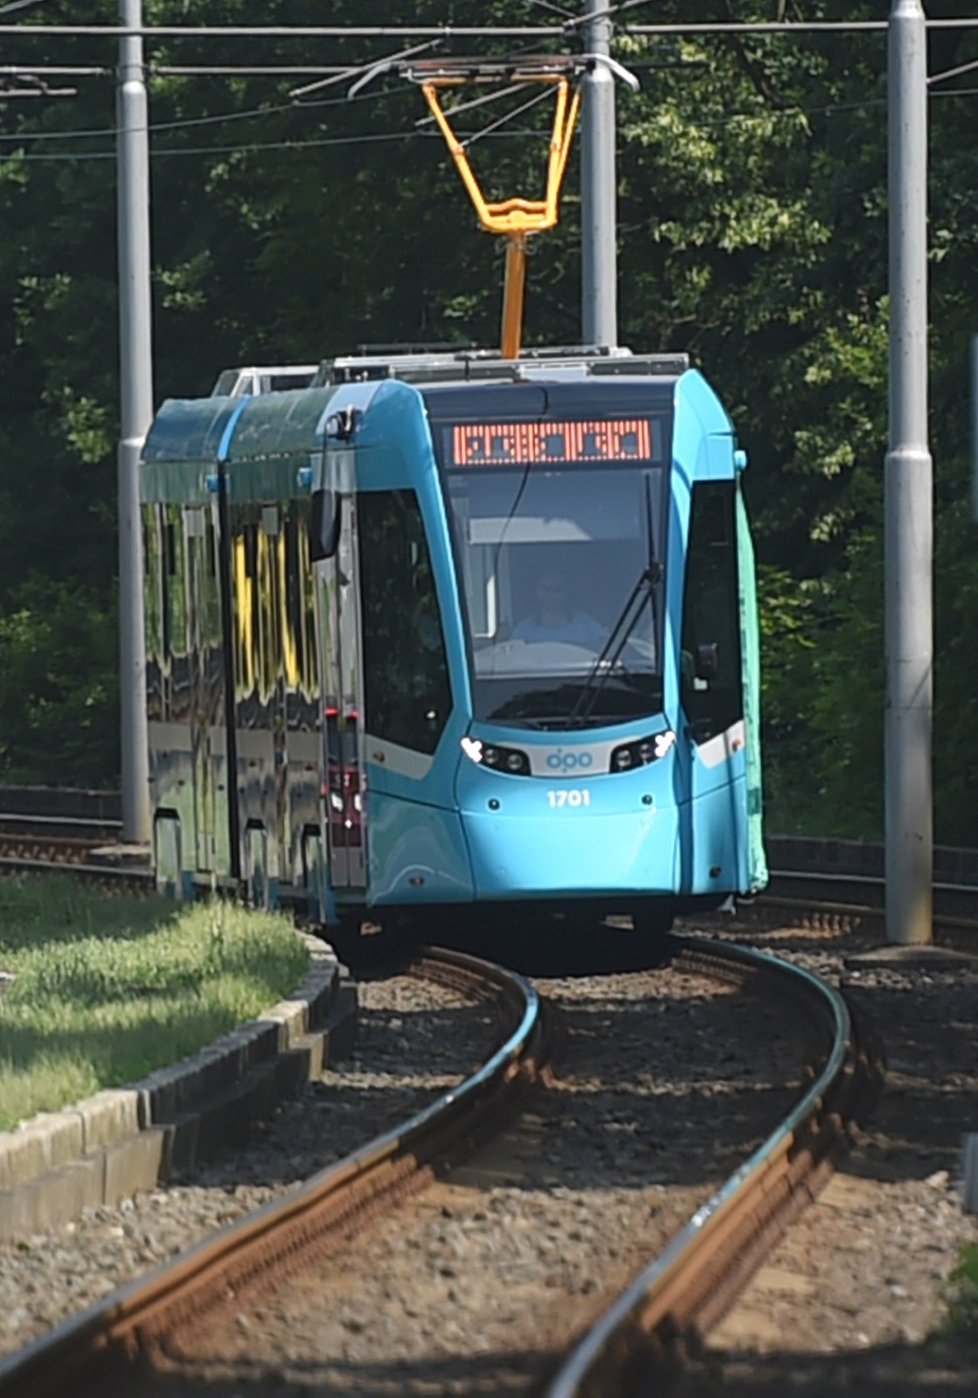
(125, 1139)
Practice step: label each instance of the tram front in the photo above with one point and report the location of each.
(558, 501)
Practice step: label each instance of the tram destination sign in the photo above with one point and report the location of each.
(551, 443)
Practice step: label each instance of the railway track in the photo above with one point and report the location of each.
(41, 826)
(86, 1354)
(690, 1284)
(686, 1289)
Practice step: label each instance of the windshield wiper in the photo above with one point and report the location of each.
(643, 591)
(618, 638)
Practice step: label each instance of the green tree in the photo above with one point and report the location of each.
(753, 234)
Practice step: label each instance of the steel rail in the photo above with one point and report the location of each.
(857, 898)
(688, 1287)
(117, 876)
(54, 838)
(59, 821)
(136, 1319)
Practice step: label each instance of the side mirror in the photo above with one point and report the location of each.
(324, 524)
(707, 664)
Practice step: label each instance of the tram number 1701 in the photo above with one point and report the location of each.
(569, 797)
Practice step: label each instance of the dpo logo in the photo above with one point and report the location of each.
(561, 761)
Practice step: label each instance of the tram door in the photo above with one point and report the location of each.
(342, 698)
(712, 691)
(207, 734)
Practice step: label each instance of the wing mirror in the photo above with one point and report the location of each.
(707, 661)
(324, 524)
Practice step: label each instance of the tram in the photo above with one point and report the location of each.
(452, 629)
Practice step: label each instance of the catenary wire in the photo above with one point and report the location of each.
(493, 126)
(19, 5)
(373, 139)
(835, 109)
(356, 69)
(186, 123)
(449, 31)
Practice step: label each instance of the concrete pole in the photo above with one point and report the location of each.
(908, 541)
(136, 412)
(598, 187)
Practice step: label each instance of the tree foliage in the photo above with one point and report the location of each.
(752, 234)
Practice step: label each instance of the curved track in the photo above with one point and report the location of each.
(685, 1290)
(135, 1320)
(682, 1292)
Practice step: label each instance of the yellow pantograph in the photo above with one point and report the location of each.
(517, 218)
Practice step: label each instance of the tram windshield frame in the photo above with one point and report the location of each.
(560, 559)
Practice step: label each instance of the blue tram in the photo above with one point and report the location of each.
(452, 629)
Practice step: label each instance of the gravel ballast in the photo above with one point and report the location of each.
(415, 1039)
(845, 1305)
(854, 1298)
(663, 1082)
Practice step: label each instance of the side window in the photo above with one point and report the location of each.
(405, 667)
(711, 672)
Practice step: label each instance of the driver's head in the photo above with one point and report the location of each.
(550, 591)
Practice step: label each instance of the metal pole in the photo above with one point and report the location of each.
(598, 186)
(136, 411)
(908, 529)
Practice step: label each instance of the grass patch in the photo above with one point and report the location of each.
(107, 989)
(961, 1294)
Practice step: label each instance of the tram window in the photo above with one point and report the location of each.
(711, 668)
(405, 665)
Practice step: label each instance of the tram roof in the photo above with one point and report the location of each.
(211, 429)
(446, 365)
(290, 422)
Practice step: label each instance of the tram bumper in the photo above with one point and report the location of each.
(574, 854)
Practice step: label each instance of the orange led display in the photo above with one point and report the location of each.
(552, 443)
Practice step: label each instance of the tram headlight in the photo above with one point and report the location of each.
(502, 759)
(510, 760)
(642, 751)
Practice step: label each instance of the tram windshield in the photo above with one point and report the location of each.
(560, 548)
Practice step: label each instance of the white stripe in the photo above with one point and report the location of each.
(723, 746)
(393, 758)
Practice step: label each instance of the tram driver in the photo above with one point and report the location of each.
(553, 618)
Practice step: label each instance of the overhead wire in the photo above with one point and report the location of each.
(450, 31)
(340, 73)
(357, 69)
(954, 72)
(19, 5)
(78, 157)
(534, 101)
(732, 118)
(190, 122)
(554, 9)
(494, 96)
